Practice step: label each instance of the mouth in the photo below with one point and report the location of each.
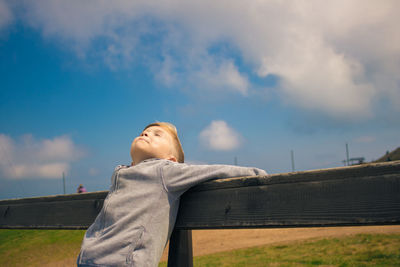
(142, 139)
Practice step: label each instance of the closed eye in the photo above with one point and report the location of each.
(158, 132)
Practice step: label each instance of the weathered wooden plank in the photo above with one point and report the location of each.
(76, 211)
(365, 170)
(358, 195)
(353, 201)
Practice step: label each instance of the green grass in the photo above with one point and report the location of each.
(394, 155)
(359, 250)
(38, 247)
(60, 247)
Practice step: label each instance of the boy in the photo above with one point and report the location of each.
(139, 212)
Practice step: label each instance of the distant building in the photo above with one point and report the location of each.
(356, 161)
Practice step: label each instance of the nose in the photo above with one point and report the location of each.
(144, 134)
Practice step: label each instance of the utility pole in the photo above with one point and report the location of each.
(235, 161)
(347, 154)
(64, 182)
(292, 156)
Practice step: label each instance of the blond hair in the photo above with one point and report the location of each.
(171, 129)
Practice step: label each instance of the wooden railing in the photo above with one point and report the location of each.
(366, 194)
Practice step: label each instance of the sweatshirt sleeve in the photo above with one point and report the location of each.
(181, 176)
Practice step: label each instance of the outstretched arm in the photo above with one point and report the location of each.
(181, 176)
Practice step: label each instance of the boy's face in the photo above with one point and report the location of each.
(154, 142)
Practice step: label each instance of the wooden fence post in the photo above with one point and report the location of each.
(180, 249)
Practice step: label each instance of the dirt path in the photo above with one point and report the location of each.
(212, 241)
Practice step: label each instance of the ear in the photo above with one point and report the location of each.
(172, 158)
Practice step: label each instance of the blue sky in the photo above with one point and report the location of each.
(79, 80)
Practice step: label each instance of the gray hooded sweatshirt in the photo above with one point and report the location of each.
(140, 210)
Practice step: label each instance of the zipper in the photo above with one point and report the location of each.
(112, 191)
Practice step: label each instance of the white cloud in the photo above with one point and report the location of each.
(6, 15)
(30, 158)
(365, 139)
(6, 149)
(39, 170)
(223, 77)
(219, 136)
(206, 75)
(59, 148)
(338, 57)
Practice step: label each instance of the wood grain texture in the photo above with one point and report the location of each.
(358, 195)
(76, 211)
(354, 201)
(180, 252)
